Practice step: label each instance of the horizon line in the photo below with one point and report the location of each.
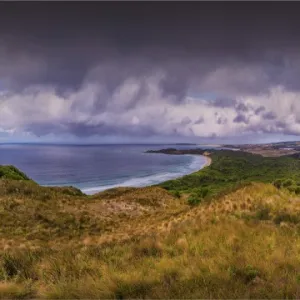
(154, 143)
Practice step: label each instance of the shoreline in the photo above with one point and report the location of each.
(208, 162)
(127, 183)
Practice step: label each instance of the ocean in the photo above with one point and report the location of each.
(94, 168)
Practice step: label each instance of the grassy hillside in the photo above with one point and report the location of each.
(11, 172)
(149, 243)
(243, 245)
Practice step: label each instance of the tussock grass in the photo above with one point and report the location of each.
(226, 248)
(11, 290)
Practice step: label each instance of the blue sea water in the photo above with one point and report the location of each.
(94, 168)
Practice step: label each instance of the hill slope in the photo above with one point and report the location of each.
(245, 244)
(11, 172)
(240, 241)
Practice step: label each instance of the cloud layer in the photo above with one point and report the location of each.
(195, 74)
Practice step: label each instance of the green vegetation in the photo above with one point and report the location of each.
(197, 195)
(230, 169)
(289, 184)
(11, 172)
(56, 242)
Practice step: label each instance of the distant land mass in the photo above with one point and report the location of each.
(175, 151)
(185, 144)
(269, 149)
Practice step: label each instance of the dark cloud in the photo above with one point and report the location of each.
(71, 38)
(99, 60)
(242, 107)
(84, 130)
(240, 118)
(186, 121)
(174, 85)
(280, 125)
(259, 110)
(191, 131)
(224, 102)
(200, 120)
(269, 115)
(222, 121)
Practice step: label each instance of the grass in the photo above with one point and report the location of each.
(230, 257)
(221, 249)
(151, 242)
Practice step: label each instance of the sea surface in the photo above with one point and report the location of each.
(94, 168)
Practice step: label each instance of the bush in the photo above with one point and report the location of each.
(194, 199)
(285, 217)
(202, 192)
(71, 191)
(147, 247)
(246, 274)
(11, 172)
(292, 188)
(278, 183)
(288, 182)
(176, 194)
(263, 213)
(21, 264)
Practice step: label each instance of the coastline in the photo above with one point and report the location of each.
(94, 179)
(152, 179)
(208, 162)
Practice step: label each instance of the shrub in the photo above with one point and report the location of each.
(285, 217)
(246, 274)
(71, 191)
(11, 172)
(278, 183)
(148, 247)
(292, 188)
(263, 213)
(176, 194)
(288, 182)
(194, 199)
(202, 192)
(21, 264)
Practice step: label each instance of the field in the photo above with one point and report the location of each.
(239, 238)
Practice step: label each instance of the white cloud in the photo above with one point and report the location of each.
(140, 102)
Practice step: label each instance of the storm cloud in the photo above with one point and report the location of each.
(148, 69)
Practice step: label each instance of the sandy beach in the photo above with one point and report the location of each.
(208, 161)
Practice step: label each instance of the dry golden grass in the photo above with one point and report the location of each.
(144, 243)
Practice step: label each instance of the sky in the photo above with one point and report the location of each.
(146, 72)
